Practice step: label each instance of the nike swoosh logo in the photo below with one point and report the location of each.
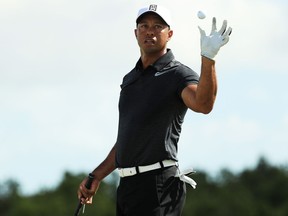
(160, 73)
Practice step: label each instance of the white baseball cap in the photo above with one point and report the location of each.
(163, 12)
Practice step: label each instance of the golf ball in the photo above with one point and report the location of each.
(201, 15)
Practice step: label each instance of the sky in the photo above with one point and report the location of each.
(62, 63)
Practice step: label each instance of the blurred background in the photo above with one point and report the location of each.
(62, 63)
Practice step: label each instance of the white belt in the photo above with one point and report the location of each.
(130, 171)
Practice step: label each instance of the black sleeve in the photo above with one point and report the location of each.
(186, 77)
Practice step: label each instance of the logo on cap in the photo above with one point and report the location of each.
(153, 7)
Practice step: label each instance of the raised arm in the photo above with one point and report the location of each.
(201, 97)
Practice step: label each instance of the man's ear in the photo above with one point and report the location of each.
(170, 34)
(135, 32)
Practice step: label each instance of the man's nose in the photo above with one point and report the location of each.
(150, 31)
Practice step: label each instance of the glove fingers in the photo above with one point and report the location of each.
(202, 32)
(228, 32)
(226, 36)
(214, 28)
(223, 28)
(225, 40)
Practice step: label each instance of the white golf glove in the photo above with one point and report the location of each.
(183, 176)
(211, 44)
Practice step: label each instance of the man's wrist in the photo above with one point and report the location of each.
(206, 59)
(208, 54)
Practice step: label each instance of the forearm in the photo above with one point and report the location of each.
(207, 86)
(210, 45)
(106, 167)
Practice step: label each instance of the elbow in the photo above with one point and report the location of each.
(205, 108)
(201, 106)
(206, 111)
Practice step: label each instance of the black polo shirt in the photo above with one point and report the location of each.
(151, 112)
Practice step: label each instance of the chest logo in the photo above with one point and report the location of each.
(160, 73)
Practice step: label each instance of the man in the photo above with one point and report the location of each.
(154, 99)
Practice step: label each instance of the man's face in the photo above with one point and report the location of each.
(152, 33)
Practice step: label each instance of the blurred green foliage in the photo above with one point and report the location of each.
(261, 191)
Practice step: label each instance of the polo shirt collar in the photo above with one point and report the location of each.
(160, 63)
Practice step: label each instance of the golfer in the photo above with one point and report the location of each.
(154, 98)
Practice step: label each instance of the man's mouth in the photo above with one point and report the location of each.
(149, 41)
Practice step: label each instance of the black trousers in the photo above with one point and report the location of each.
(153, 193)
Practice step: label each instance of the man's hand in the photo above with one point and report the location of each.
(86, 195)
(211, 44)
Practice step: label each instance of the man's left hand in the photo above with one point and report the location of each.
(211, 44)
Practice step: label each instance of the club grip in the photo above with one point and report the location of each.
(88, 186)
(89, 181)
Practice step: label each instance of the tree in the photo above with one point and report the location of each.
(9, 194)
